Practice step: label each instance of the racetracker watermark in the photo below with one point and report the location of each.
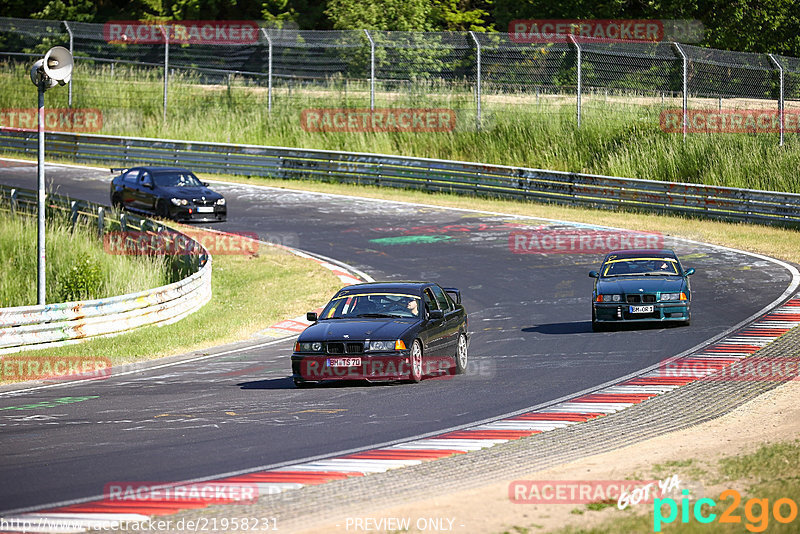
(392, 368)
(181, 31)
(189, 242)
(207, 492)
(355, 120)
(580, 491)
(604, 30)
(54, 367)
(729, 121)
(58, 119)
(580, 241)
(751, 369)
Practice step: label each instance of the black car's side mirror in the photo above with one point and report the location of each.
(205, 183)
(594, 274)
(688, 272)
(435, 314)
(311, 316)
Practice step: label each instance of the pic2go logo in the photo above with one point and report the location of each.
(756, 511)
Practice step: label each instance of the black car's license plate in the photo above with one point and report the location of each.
(642, 309)
(343, 362)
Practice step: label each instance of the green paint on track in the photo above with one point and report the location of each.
(410, 239)
(50, 404)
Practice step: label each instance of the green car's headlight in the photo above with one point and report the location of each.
(609, 298)
(673, 296)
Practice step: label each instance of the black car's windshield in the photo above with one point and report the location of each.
(641, 267)
(372, 305)
(177, 179)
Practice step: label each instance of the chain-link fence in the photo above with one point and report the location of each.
(471, 72)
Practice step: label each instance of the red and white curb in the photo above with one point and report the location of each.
(740, 344)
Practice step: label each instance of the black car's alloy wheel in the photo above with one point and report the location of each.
(416, 362)
(461, 354)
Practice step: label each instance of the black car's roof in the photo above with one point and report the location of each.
(377, 287)
(638, 253)
(160, 170)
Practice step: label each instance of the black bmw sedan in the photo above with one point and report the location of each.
(169, 192)
(384, 331)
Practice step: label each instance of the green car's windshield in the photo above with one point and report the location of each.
(177, 179)
(372, 305)
(641, 267)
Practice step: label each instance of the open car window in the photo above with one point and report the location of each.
(644, 266)
(441, 298)
(372, 305)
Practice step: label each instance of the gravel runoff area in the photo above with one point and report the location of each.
(689, 405)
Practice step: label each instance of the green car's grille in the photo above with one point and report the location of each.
(639, 298)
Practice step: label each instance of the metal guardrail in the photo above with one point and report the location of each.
(29, 327)
(575, 189)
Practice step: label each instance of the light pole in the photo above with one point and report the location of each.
(55, 68)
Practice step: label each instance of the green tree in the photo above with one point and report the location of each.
(397, 15)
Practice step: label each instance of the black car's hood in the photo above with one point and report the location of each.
(356, 329)
(190, 193)
(641, 284)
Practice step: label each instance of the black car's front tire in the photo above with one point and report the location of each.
(462, 358)
(162, 210)
(415, 375)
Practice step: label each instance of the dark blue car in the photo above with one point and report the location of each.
(168, 192)
(384, 331)
(641, 286)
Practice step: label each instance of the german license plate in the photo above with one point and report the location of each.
(641, 309)
(205, 209)
(344, 362)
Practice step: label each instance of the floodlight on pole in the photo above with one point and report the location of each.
(55, 68)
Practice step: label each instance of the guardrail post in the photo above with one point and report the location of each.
(123, 222)
(13, 202)
(580, 78)
(69, 31)
(73, 214)
(371, 70)
(478, 81)
(269, 69)
(685, 88)
(101, 221)
(165, 31)
(780, 95)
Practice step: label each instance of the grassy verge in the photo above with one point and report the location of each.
(765, 475)
(616, 138)
(250, 293)
(77, 267)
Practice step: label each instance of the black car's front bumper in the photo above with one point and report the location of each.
(198, 214)
(377, 367)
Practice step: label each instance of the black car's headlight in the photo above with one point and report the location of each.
(609, 298)
(220, 202)
(314, 346)
(384, 346)
(179, 201)
(673, 296)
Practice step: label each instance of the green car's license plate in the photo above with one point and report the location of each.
(642, 309)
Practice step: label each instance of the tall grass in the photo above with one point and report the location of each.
(619, 137)
(65, 249)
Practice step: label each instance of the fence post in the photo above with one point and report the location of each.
(269, 69)
(165, 31)
(13, 202)
(478, 86)
(73, 214)
(685, 88)
(580, 78)
(371, 70)
(780, 95)
(69, 31)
